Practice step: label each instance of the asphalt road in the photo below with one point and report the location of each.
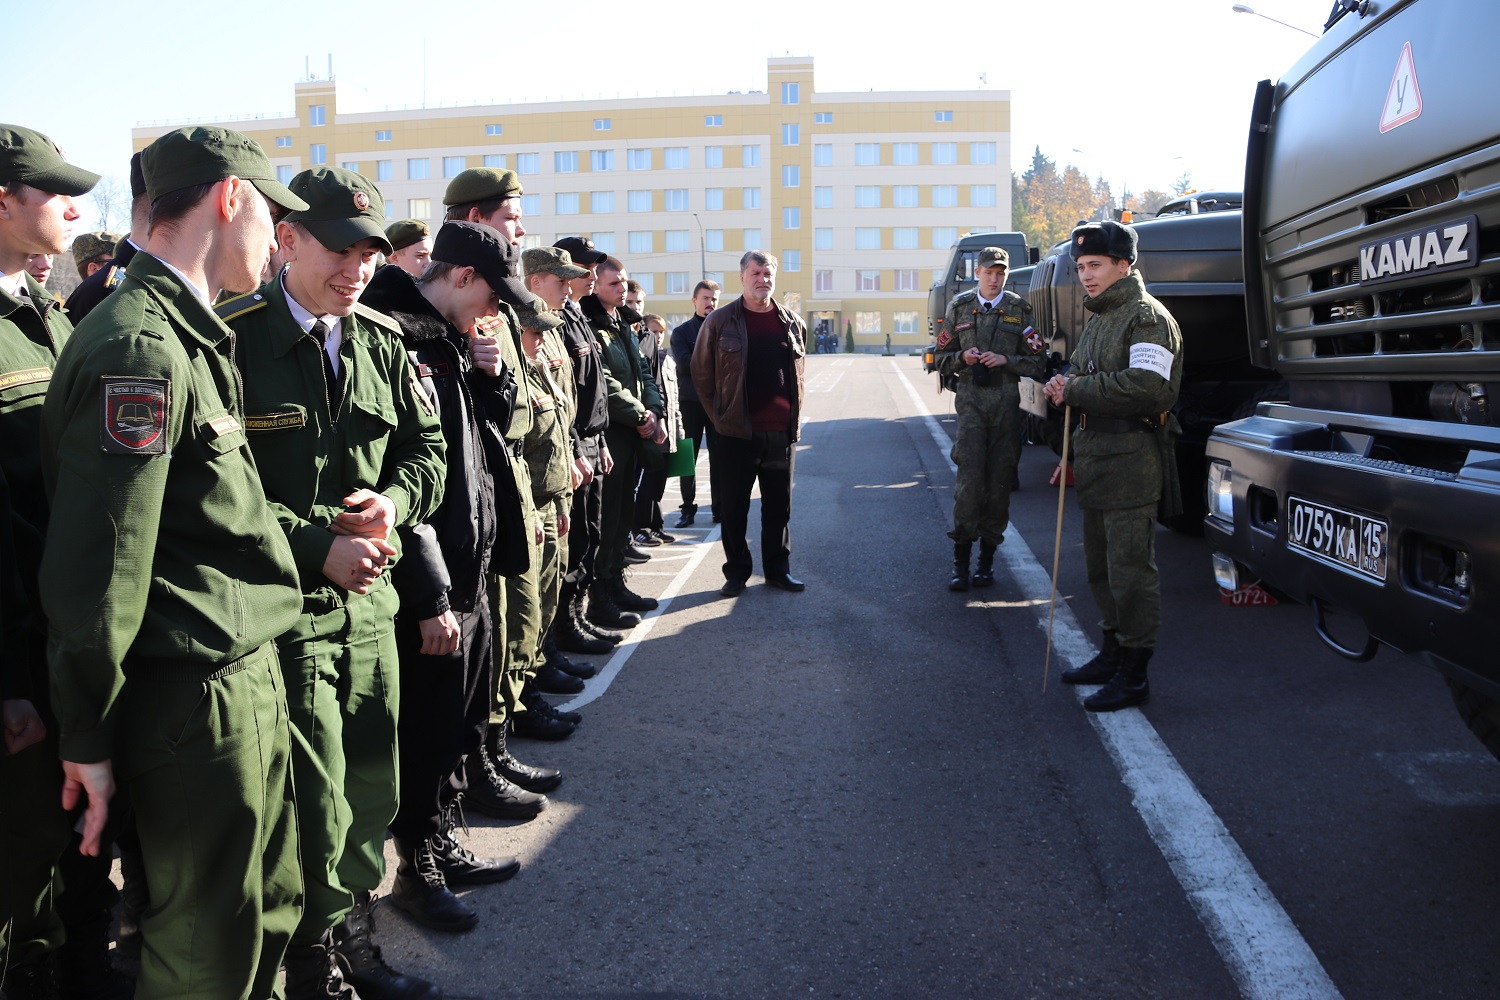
(863, 791)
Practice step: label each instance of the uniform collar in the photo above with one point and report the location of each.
(285, 335)
(177, 299)
(1127, 289)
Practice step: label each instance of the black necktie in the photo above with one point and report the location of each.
(320, 333)
(988, 306)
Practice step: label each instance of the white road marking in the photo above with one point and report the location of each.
(1263, 950)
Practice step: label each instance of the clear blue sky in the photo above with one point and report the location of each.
(1145, 89)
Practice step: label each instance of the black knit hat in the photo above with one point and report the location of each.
(1103, 239)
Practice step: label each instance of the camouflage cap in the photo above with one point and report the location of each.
(201, 154)
(30, 158)
(406, 232)
(535, 317)
(581, 250)
(992, 257)
(551, 260)
(343, 207)
(481, 184)
(90, 245)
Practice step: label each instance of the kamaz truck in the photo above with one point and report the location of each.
(1372, 288)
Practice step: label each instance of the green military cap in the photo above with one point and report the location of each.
(551, 260)
(406, 232)
(30, 158)
(535, 317)
(90, 245)
(993, 257)
(481, 184)
(202, 154)
(343, 207)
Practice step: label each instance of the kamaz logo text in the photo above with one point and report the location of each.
(1448, 246)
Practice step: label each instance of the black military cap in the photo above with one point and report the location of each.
(201, 154)
(582, 250)
(30, 158)
(473, 244)
(1103, 239)
(342, 208)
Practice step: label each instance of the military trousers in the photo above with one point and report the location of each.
(767, 458)
(205, 756)
(986, 450)
(554, 563)
(516, 659)
(342, 680)
(1119, 550)
(618, 503)
(34, 833)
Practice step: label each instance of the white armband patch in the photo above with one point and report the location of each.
(1153, 358)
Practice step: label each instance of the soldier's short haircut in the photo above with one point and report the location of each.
(611, 263)
(631, 285)
(437, 272)
(174, 206)
(460, 213)
(706, 283)
(763, 259)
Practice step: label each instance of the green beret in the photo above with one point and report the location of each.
(201, 154)
(406, 232)
(343, 207)
(30, 158)
(481, 184)
(91, 245)
(993, 257)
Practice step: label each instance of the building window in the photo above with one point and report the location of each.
(982, 195)
(866, 154)
(942, 116)
(904, 196)
(750, 156)
(713, 157)
(866, 196)
(528, 163)
(981, 152)
(717, 277)
(604, 242)
(823, 154)
(383, 135)
(638, 201)
(867, 238)
(675, 241)
(566, 202)
(903, 154)
(601, 124)
(382, 170)
(495, 161)
(419, 208)
(647, 280)
(677, 282)
(904, 322)
(823, 280)
(417, 169)
(602, 202)
(752, 239)
(713, 239)
(945, 153)
(347, 165)
(316, 114)
(791, 260)
(453, 165)
(675, 157)
(789, 93)
(823, 118)
(565, 161)
(713, 121)
(713, 199)
(867, 322)
(639, 241)
(390, 209)
(602, 159)
(904, 237)
(822, 239)
(945, 196)
(944, 237)
(791, 175)
(751, 198)
(284, 175)
(318, 154)
(906, 280)
(676, 199)
(638, 159)
(791, 135)
(867, 280)
(791, 217)
(283, 141)
(822, 197)
(493, 128)
(531, 204)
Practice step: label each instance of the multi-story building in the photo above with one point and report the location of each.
(859, 194)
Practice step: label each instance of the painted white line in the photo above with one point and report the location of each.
(1261, 947)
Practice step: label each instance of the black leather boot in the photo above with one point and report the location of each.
(364, 969)
(494, 795)
(604, 611)
(32, 979)
(1101, 668)
(533, 779)
(421, 890)
(313, 972)
(554, 681)
(961, 553)
(555, 657)
(984, 573)
(1128, 686)
(628, 599)
(566, 632)
(461, 866)
(593, 628)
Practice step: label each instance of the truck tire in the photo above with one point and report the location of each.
(1480, 713)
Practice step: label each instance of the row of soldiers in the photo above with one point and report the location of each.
(289, 543)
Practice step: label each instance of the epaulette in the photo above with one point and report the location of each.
(1148, 313)
(238, 306)
(113, 277)
(1020, 301)
(378, 318)
(965, 296)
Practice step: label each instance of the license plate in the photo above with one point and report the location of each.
(1338, 537)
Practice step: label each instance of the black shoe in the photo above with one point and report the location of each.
(461, 866)
(313, 972)
(961, 553)
(1101, 668)
(647, 538)
(604, 611)
(583, 671)
(634, 556)
(786, 581)
(628, 599)
(554, 681)
(364, 969)
(422, 893)
(575, 640)
(533, 779)
(536, 726)
(1127, 687)
(662, 538)
(591, 628)
(984, 572)
(536, 703)
(685, 519)
(496, 796)
(732, 588)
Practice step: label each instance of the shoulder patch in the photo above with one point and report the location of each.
(133, 415)
(113, 278)
(231, 309)
(377, 318)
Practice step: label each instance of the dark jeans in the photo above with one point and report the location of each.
(696, 427)
(648, 494)
(767, 457)
(583, 531)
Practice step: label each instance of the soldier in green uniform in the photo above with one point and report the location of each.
(1124, 377)
(37, 214)
(348, 450)
(989, 344)
(166, 579)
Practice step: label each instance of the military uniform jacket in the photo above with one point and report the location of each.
(509, 452)
(32, 333)
(1128, 365)
(92, 290)
(381, 437)
(590, 383)
(549, 447)
(162, 552)
(1006, 329)
(632, 391)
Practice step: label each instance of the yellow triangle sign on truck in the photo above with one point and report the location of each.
(1404, 100)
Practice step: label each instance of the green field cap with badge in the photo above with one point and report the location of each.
(201, 154)
(342, 208)
(482, 184)
(406, 232)
(30, 158)
(993, 257)
(551, 260)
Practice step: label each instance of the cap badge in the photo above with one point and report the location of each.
(1079, 241)
(361, 200)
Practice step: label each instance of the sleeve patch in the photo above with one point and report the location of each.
(1153, 358)
(962, 327)
(133, 415)
(944, 338)
(1033, 340)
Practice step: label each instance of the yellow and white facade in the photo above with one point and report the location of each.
(860, 195)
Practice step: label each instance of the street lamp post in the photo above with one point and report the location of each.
(702, 254)
(1240, 8)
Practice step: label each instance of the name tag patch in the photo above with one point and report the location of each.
(275, 421)
(223, 425)
(25, 376)
(133, 415)
(439, 370)
(1153, 358)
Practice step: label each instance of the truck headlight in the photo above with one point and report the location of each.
(1220, 492)
(1226, 573)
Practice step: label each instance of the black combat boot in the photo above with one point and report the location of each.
(984, 573)
(629, 599)
(554, 656)
(495, 795)
(422, 893)
(533, 779)
(83, 967)
(570, 634)
(554, 681)
(313, 972)
(1101, 668)
(961, 553)
(32, 979)
(1127, 687)
(593, 628)
(604, 611)
(461, 866)
(363, 967)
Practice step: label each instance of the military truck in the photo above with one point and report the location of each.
(1372, 242)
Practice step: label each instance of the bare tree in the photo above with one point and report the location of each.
(1183, 184)
(111, 202)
